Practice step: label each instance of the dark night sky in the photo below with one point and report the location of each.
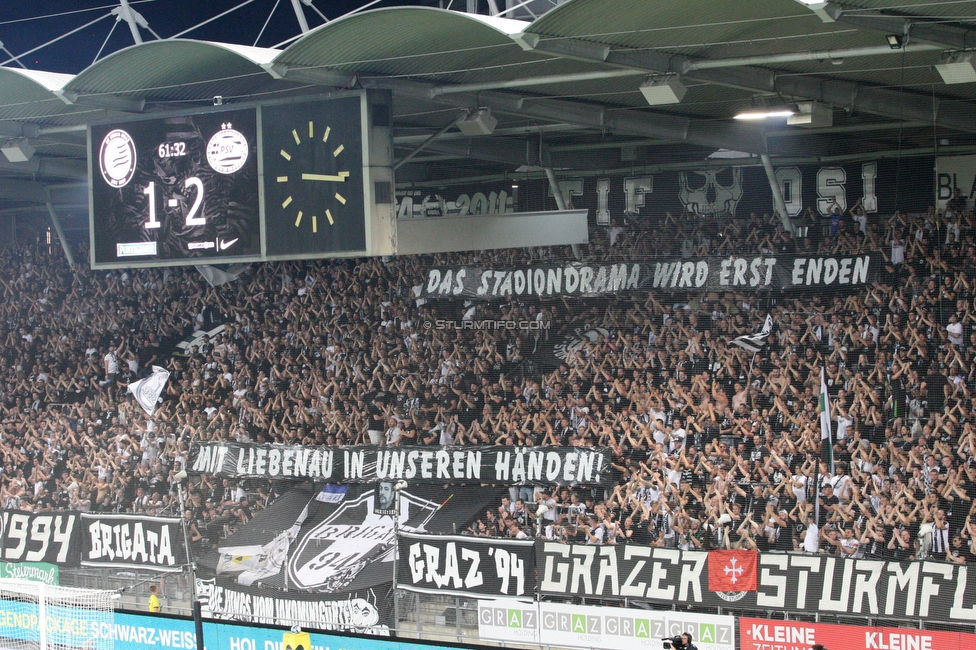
(24, 25)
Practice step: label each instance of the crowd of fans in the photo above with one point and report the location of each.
(713, 446)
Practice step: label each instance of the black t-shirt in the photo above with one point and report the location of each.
(640, 534)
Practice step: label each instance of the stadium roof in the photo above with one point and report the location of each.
(566, 82)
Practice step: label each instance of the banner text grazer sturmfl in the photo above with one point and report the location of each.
(938, 590)
(748, 273)
(462, 565)
(367, 464)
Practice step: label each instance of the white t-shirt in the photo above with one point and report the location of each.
(678, 434)
(897, 251)
(955, 333)
(800, 493)
(843, 424)
(811, 540)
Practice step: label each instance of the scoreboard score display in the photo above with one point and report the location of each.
(176, 189)
(282, 180)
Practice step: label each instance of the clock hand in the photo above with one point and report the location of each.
(339, 178)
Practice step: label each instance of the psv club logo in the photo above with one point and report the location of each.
(227, 150)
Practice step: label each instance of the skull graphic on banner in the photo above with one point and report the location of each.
(332, 553)
(711, 191)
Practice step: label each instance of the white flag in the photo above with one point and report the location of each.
(148, 390)
(216, 277)
(755, 342)
(826, 435)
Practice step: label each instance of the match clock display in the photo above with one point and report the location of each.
(313, 178)
(175, 189)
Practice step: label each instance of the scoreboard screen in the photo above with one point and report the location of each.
(174, 190)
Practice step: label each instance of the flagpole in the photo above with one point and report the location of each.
(816, 498)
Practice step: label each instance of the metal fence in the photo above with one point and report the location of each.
(175, 589)
(432, 617)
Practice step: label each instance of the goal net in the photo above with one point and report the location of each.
(36, 616)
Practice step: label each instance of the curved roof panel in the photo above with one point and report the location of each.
(49, 81)
(414, 41)
(176, 69)
(28, 94)
(698, 27)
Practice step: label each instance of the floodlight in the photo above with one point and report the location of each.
(811, 115)
(479, 122)
(663, 90)
(957, 68)
(17, 150)
(762, 115)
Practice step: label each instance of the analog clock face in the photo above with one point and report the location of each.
(313, 178)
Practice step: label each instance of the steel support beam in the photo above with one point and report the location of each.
(941, 34)
(11, 129)
(508, 151)
(878, 101)
(741, 137)
(560, 199)
(28, 191)
(426, 143)
(300, 15)
(107, 101)
(815, 55)
(778, 201)
(58, 229)
(515, 130)
(533, 81)
(132, 18)
(42, 166)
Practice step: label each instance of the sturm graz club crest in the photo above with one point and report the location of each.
(117, 158)
(330, 555)
(551, 355)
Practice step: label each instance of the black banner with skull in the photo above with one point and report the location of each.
(741, 273)
(336, 538)
(736, 189)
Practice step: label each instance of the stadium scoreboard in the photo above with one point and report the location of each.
(274, 181)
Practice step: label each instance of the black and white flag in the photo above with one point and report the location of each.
(148, 390)
(755, 342)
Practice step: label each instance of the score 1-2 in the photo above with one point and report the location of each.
(191, 217)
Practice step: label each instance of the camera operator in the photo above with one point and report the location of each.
(683, 642)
